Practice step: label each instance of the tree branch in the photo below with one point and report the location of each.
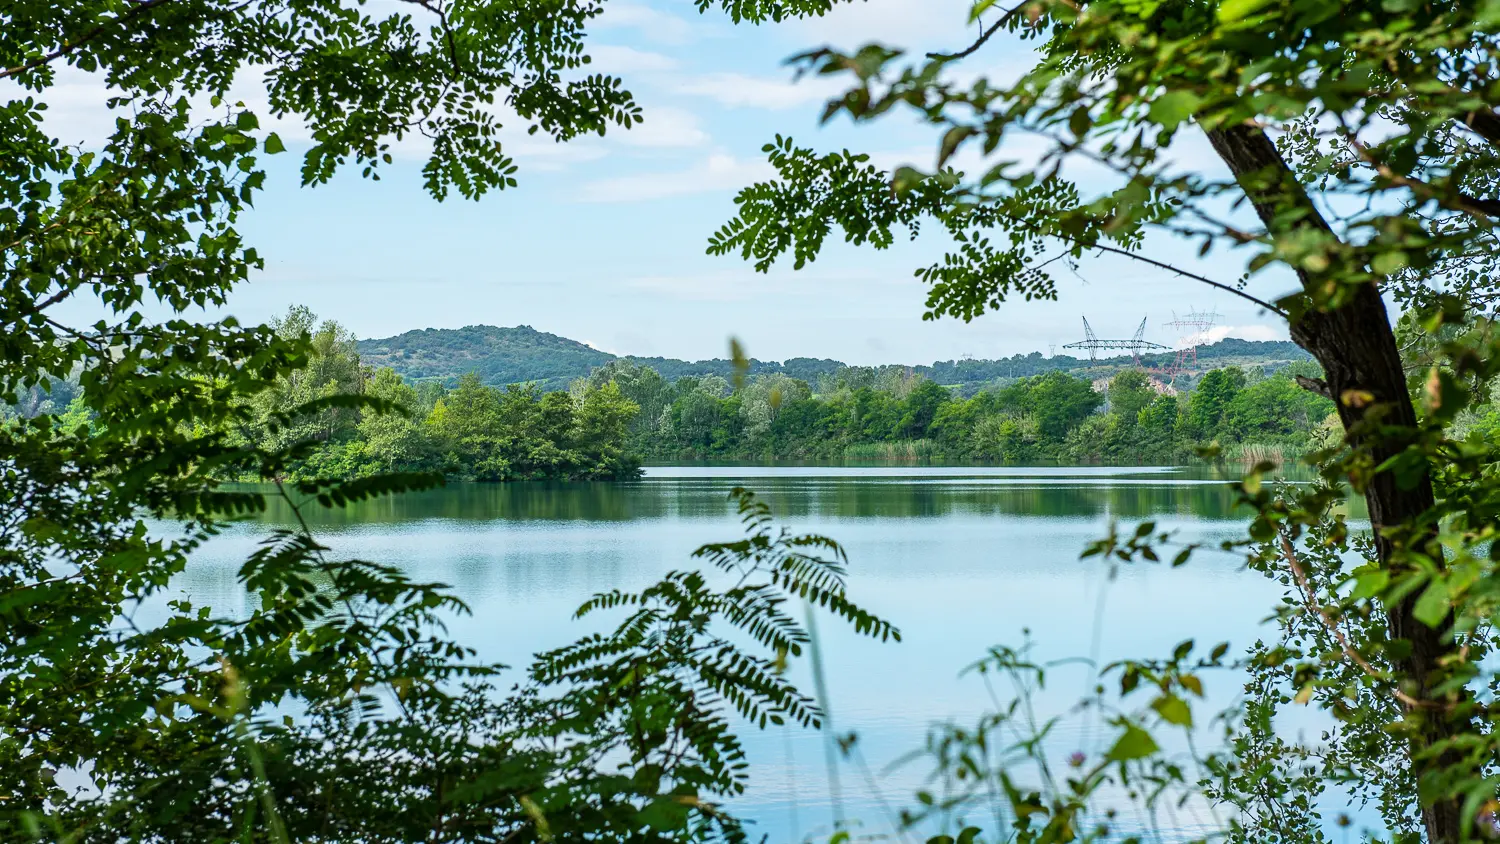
(1115, 250)
(1453, 199)
(1310, 598)
(1485, 123)
(1314, 385)
(1195, 277)
(437, 9)
(986, 36)
(70, 46)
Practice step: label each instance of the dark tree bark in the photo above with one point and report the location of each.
(1485, 123)
(1363, 372)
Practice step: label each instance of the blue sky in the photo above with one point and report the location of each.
(604, 239)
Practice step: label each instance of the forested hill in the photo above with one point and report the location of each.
(511, 355)
(499, 355)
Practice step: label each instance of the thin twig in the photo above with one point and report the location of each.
(1310, 597)
(987, 35)
(1152, 261)
(1484, 209)
(437, 9)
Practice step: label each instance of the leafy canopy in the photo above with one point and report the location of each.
(1360, 153)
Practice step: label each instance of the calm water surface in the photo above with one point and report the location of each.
(959, 559)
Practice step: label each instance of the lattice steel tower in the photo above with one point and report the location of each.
(1135, 345)
(1197, 324)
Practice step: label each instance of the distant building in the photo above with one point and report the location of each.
(1162, 388)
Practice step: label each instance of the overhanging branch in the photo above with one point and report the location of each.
(988, 33)
(71, 46)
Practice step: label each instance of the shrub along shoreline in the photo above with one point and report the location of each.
(604, 426)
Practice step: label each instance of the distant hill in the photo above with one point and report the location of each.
(513, 355)
(499, 355)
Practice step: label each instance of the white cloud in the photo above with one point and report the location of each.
(717, 172)
(77, 114)
(654, 24)
(742, 90)
(1244, 332)
(667, 127)
(937, 24)
(538, 153)
(597, 347)
(619, 60)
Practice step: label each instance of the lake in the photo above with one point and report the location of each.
(958, 558)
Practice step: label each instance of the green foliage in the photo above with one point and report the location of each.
(1057, 401)
(889, 414)
(1129, 393)
(499, 356)
(504, 356)
(472, 432)
(1211, 400)
(331, 706)
(1363, 137)
(657, 691)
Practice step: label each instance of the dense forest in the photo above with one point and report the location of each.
(501, 356)
(624, 412)
(601, 427)
(470, 431)
(893, 413)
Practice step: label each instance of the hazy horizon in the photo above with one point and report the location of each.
(724, 353)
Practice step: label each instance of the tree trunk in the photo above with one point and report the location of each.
(1362, 366)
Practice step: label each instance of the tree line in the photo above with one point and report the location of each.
(469, 431)
(520, 354)
(893, 413)
(602, 427)
(624, 412)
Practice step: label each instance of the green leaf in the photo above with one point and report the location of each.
(1173, 107)
(905, 178)
(1173, 710)
(1080, 121)
(274, 144)
(1232, 11)
(1134, 743)
(1370, 584)
(980, 8)
(1432, 606)
(1387, 263)
(664, 814)
(739, 360)
(951, 141)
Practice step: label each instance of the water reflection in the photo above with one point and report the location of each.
(960, 559)
(894, 493)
